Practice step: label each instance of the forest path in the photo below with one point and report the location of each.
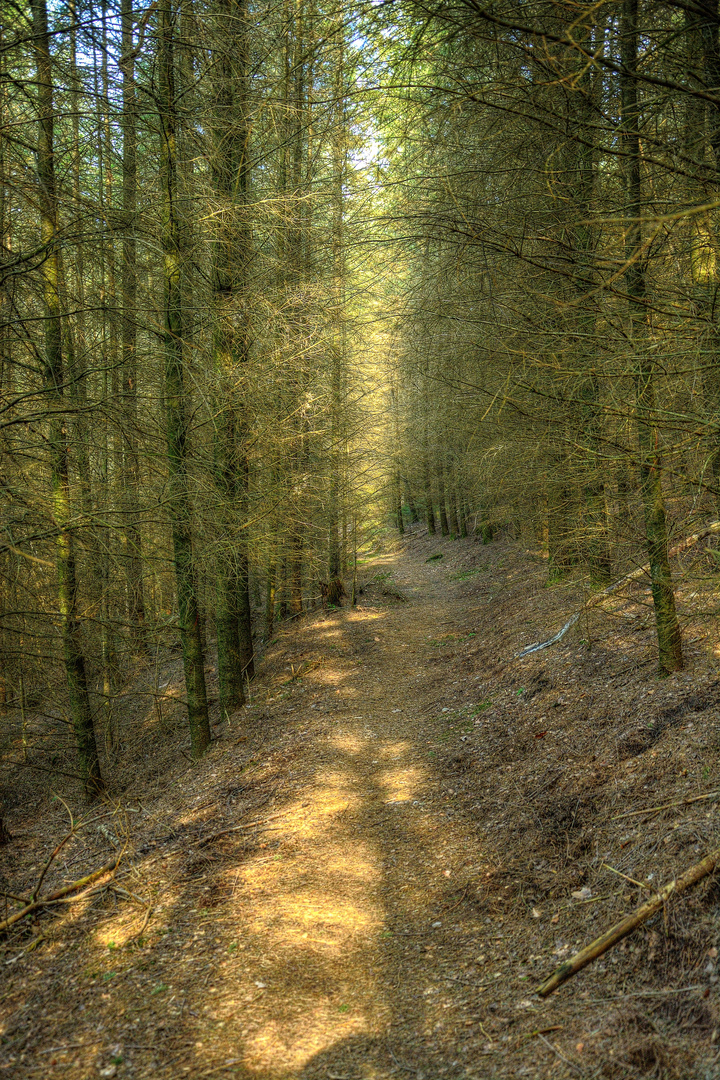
(373, 964)
(381, 857)
(317, 889)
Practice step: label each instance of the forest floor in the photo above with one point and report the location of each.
(381, 858)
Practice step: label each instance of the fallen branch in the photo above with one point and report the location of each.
(59, 893)
(666, 806)
(236, 828)
(28, 949)
(598, 598)
(628, 924)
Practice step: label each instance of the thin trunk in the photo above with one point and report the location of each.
(297, 271)
(584, 241)
(668, 630)
(444, 524)
(131, 464)
(454, 516)
(105, 536)
(429, 512)
(175, 397)
(75, 669)
(704, 34)
(338, 348)
(463, 512)
(270, 599)
(562, 520)
(295, 572)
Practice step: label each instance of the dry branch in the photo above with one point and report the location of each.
(598, 598)
(59, 893)
(629, 923)
(666, 806)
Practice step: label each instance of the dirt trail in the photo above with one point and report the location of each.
(374, 866)
(360, 913)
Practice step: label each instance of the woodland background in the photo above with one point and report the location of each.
(277, 276)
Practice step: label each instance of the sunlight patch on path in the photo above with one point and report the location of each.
(314, 915)
(401, 784)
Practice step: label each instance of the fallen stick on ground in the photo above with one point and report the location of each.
(236, 828)
(598, 598)
(628, 924)
(59, 893)
(666, 806)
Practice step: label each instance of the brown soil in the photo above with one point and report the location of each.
(375, 865)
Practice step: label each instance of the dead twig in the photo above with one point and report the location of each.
(55, 852)
(634, 575)
(667, 806)
(559, 1053)
(629, 923)
(141, 931)
(11, 896)
(455, 906)
(619, 873)
(538, 1031)
(60, 893)
(400, 1064)
(236, 828)
(126, 892)
(28, 949)
(74, 829)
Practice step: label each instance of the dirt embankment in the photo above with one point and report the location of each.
(383, 856)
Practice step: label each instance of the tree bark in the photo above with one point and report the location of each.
(75, 667)
(175, 397)
(232, 333)
(668, 630)
(131, 457)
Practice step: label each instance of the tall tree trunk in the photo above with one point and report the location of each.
(75, 668)
(297, 270)
(429, 511)
(703, 25)
(270, 588)
(131, 457)
(444, 524)
(583, 242)
(108, 459)
(230, 335)
(338, 347)
(668, 630)
(175, 396)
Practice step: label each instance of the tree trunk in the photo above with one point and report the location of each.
(444, 524)
(703, 33)
(233, 251)
(131, 458)
(338, 347)
(75, 668)
(668, 630)
(595, 546)
(175, 398)
(429, 512)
